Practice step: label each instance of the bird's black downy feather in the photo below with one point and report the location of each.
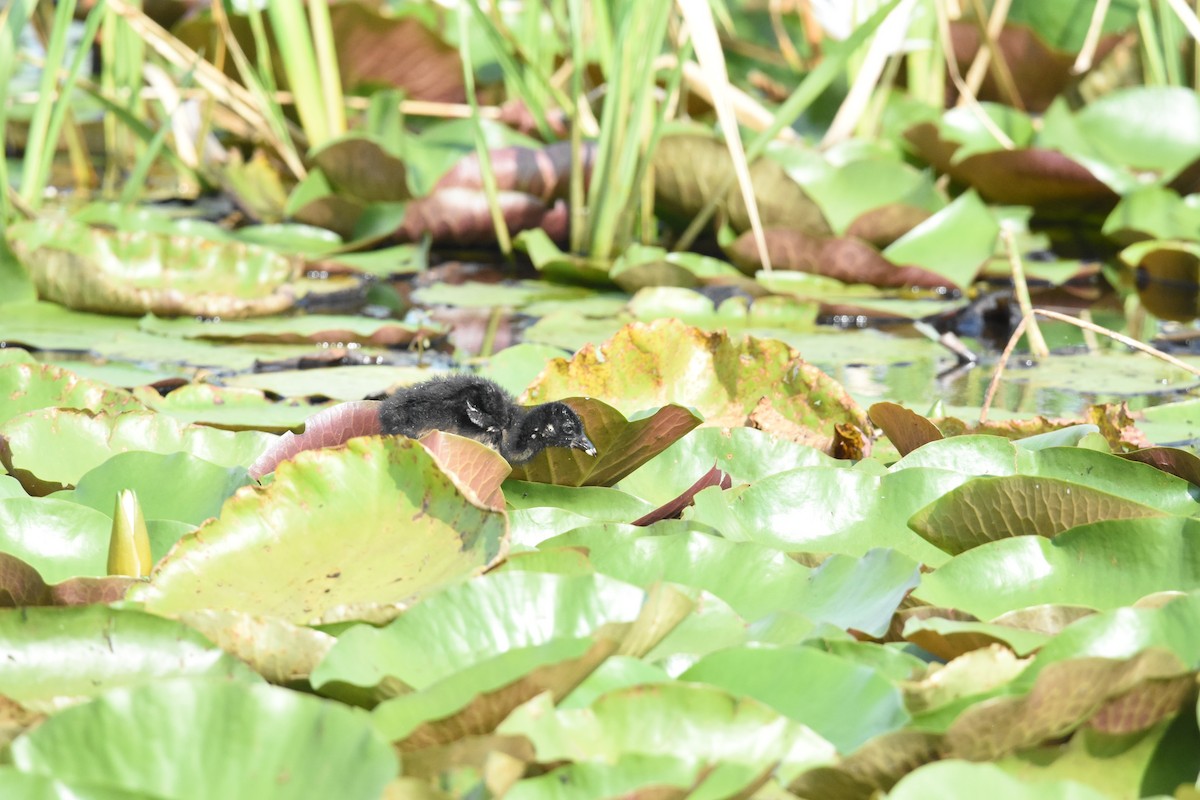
(482, 410)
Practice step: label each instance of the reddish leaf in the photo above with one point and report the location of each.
(463, 217)
(848, 260)
(1179, 463)
(906, 429)
(89, 591)
(1029, 176)
(1040, 73)
(21, 584)
(374, 49)
(475, 468)
(884, 225)
(543, 173)
(328, 428)
(669, 510)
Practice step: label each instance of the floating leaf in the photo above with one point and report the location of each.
(704, 722)
(845, 703)
(279, 651)
(175, 486)
(34, 444)
(691, 168)
(374, 522)
(906, 429)
(328, 428)
(55, 657)
(60, 540)
(29, 387)
(1102, 565)
(318, 328)
(296, 745)
(954, 778)
(1066, 694)
(520, 633)
(991, 509)
(134, 273)
(730, 382)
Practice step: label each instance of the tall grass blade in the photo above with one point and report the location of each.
(294, 42)
(39, 148)
(712, 60)
(503, 239)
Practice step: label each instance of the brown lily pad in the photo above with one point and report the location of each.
(1065, 695)
(544, 173)
(463, 216)
(359, 166)
(671, 509)
(1025, 176)
(622, 445)
(21, 586)
(906, 429)
(1180, 463)
(647, 365)
(846, 259)
(691, 168)
(1039, 72)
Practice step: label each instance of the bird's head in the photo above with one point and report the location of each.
(557, 425)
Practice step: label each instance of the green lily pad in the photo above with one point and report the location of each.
(754, 579)
(703, 722)
(174, 486)
(730, 382)
(24, 784)
(285, 550)
(824, 509)
(734, 314)
(134, 273)
(1152, 212)
(953, 778)
(989, 509)
(35, 443)
(845, 703)
(641, 266)
(955, 242)
(291, 745)
(317, 328)
(29, 387)
(1101, 565)
(510, 624)
(57, 657)
(515, 367)
(338, 383)
(59, 539)
(279, 651)
(228, 407)
(745, 454)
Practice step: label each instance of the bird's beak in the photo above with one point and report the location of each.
(582, 442)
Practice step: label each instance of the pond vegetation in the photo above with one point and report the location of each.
(879, 317)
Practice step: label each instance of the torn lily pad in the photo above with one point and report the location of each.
(731, 382)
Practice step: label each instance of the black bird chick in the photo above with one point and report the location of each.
(482, 410)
